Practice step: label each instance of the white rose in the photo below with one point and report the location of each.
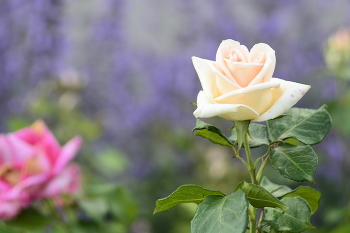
(239, 85)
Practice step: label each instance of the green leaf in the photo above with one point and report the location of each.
(212, 133)
(297, 163)
(110, 162)
(189, 193)
(219, 214)
(241, 129)
(307, 125)
(123, 206)
(274, 189)
(109, 199)
(260, 197)
(295, 219)
(95, 208)
(293, 141)
(29, 219)
(258, 134)
(308, 194)
(6, 229)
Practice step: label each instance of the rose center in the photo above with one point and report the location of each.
(10, 175)
(32, 166)
(236, 56)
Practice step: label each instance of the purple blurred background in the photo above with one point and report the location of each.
(134, 58)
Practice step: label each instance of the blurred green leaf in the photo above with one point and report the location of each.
(93, 227)
(95, 208)
(111, 161)
(295, 219)
(100, 189)
(260, 197)
(112, 199)
(336, 215)
(185, 194)
(274, 189)
(15, 123)
(6, 229)
(42, 107)
(212, 133)
(29, 219)
(220, 214)
(307, 125)
(340, 112)
(84, 227)
(297, 163)
(308, 194)
(115, 228)
(258, 135)
(345, 228)
(123, 206)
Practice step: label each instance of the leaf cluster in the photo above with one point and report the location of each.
(289, 139)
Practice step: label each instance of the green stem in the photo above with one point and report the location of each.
(251, 169)
(262, 166)
(252, 219)
(250, 160)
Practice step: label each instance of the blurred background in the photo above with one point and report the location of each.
(119, 73)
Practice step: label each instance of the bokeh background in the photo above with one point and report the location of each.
(119, 73)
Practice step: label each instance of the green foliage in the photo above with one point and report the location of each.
(260, 197)
(297, 163)
(29, 219)
(212, 133)
(342, 229)
(185, 194)
(109, 199)
(95, 208)
(241, 129)
(340, 112)
(258, 135)
(110, 161)
(219, 214)
(123, 206)
(274, 189)
(288, 138)
(307, 125)
(295, 219)
(308, 194)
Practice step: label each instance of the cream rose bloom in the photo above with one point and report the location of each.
(239, 85)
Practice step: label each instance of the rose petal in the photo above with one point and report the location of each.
(68, 181)
(224, 51)
(232, 112)
(244, 73)
(266, 72)
(30, 184)
(258, 97)
(39, 134)
(68, 152)
(214, 83)
(13, 150)
(284, 97)
(9, 209)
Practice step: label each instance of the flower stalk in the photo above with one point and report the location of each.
(251, 169)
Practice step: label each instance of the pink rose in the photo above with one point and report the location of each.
(239, 85)
(33, 165)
